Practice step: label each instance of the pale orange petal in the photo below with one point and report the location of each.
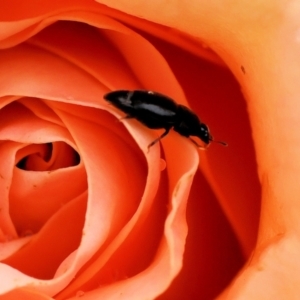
(25, 294)
(38, 68)
(168, 260)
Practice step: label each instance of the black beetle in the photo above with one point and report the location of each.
(157, 111)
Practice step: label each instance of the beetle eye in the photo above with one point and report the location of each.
(204, 134)
(204, 129)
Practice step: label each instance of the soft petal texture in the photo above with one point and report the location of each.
(25, 294)
(92, 232)
(259, 41)
(213, 88)
(167, 261)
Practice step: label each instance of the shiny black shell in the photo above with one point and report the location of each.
(157, 111)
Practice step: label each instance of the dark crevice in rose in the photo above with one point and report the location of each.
(76, 158)
(44, 158)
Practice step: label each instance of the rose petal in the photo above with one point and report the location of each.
(92, 240)
(25, 294)
(9, 247)
(54, 242)
(167, 262)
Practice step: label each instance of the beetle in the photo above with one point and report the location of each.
(158, 111)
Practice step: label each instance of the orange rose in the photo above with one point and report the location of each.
(87, 212)
(85, 208)
(259, 42)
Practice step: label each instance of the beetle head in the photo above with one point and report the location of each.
(206, 137)
(204, 134)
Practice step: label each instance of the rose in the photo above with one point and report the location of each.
(77, 191)
(70, 114)
(62, 93)
(88, 228)
(259, 41)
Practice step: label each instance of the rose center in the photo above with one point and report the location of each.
(45, 157)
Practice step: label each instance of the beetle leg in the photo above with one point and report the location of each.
(124, 118)
(159, 138)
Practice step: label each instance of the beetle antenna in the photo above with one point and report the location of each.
(222, 143)
(219, 142)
